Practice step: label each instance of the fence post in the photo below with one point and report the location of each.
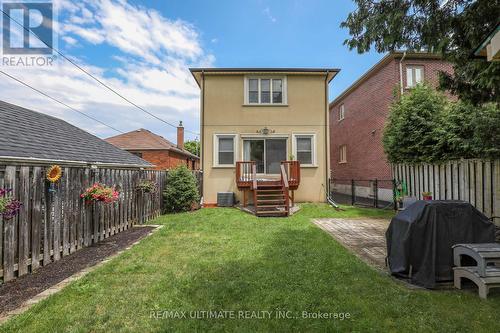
(375, 194)
(353, 192)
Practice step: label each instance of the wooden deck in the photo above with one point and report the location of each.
(273, 195)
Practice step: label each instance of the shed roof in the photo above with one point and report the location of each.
(33, 136)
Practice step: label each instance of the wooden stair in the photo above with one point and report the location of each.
(271, 199)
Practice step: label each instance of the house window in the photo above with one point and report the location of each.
(343, 154)
(414, 75)
(304, 149)
(265, 91)
(224, 150)
(341, 112)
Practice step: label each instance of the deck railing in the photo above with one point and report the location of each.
(292, 169)
(245, 173)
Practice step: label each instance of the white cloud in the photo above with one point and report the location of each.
(269, 15)
(151, 52)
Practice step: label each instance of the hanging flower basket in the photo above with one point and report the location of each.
(54, 173)
(147, 186)
(9, 207)
(100, 193)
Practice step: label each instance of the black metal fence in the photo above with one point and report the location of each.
(377, 193)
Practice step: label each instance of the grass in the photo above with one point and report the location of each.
(226, 260)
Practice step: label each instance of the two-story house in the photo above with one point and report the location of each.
(264, 135)
(358, 116)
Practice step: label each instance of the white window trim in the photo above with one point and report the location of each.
(313, 145)
(284, 100)
(341, 112)
(342, 161)
(413, 76)
(215, 163)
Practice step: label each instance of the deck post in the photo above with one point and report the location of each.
(244, 198)
(293, 198)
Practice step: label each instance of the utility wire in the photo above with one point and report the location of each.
(93, 77)
(58, 101)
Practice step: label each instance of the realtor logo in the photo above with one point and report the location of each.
(21, 17)
(27, 33)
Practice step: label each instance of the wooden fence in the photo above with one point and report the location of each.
(475, 181)
(55, 223)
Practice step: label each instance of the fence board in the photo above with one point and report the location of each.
(475, 181)
(52, 224)
(23, 234)
(9, 229)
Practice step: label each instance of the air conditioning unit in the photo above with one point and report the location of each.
(225, 199)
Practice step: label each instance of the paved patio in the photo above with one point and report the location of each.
(364, 237)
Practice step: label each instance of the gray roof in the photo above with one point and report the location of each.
(26, 134)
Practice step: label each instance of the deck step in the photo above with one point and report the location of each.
(272, 212)
(270, 201)
(272, 206)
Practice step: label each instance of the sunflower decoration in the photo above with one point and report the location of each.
(54, 173)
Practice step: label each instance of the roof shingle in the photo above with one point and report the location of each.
(28, 134)
(142, 139)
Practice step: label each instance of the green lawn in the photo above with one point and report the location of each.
(226, 260)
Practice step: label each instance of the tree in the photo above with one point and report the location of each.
(452, 28)
(410, 134)
(424, 126)
(181, 192)
(193, 146)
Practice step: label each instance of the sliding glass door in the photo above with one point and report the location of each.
(267, 153)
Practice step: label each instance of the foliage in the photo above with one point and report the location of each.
(193, 146)
(147, 186)
(9, 207)
(410, 132)
(424, 126)
(224, 259)
(469, 131)
(100, 193)
(452, 28)
(181, 192)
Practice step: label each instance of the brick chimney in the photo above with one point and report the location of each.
(180, 136)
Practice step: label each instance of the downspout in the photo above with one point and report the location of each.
(202, 130)
(401, 72)
(327, 132)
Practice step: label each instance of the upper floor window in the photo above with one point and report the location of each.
(265, 90)
(343, 154)
(341, 112)
(414, 75)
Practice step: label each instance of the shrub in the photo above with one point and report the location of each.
(181, 191)
(410, 134)
(424, 126)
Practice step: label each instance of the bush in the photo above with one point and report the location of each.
(181, 191)
(410, 134)
(424, 126)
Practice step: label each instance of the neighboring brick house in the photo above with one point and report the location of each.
(358, 116)
(157, 150)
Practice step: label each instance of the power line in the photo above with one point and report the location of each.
(58, 101)
(93, 77)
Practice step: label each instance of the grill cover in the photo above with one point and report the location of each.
(422, 235)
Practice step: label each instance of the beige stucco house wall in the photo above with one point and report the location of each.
(225, 111)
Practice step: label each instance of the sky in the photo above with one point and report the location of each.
(143, 50)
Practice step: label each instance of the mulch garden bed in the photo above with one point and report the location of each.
(16, 292)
